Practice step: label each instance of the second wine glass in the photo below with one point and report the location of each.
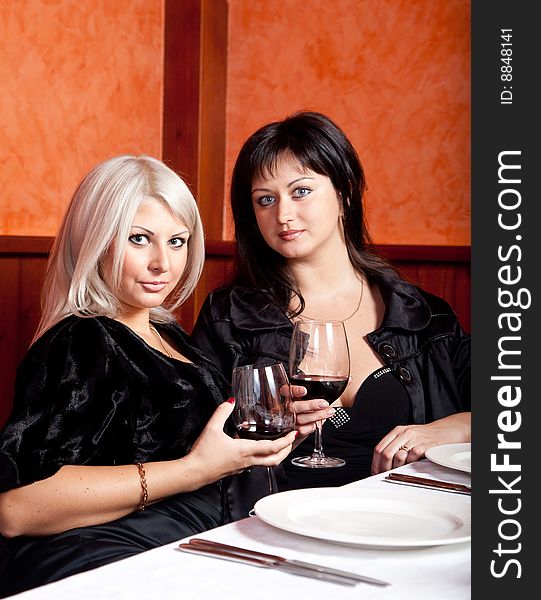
(262, 405)
(319, 361)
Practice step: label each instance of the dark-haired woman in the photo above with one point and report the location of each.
(304, 252)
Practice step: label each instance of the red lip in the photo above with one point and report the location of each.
(290, 234)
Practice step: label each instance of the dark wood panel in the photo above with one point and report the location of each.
(443, 271)
(451, 281)
(181, 88)
(215, 274)
(23, 261)
(212, 122)
(182, 55)
(195, 77)
(32, 273)
(16, 245)
(9, 331)
(425, 253)
(23, 245)
(220, 248)
(458, 254)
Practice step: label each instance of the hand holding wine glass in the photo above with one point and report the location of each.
(262, 405)
(319, 361)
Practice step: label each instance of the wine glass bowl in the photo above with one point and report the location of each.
(319, 361)
(262, 404)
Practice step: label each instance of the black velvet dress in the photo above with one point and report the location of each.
(91, 392)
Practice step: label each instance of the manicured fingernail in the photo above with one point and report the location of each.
(231, 400)
(330, 412)
(323, 404)
(296, 433)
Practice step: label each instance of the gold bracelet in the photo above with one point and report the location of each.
(144, 488)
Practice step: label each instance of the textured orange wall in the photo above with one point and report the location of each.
(81, 81)
(394, 74)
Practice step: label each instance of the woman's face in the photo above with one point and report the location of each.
(297, 211)
(155, 257)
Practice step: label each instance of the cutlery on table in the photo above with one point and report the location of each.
(260, 559)
(425, 482)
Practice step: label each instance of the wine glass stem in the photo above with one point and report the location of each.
(272, 481)
(318, 441)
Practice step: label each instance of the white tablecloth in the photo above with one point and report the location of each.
(441, 572)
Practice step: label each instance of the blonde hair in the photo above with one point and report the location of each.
(101, 212)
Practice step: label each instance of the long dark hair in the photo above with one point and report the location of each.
(321, 146)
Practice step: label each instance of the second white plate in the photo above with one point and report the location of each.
(367, 518)
(454, 456)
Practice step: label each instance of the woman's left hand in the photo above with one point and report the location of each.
(308, 412)
(408, 443)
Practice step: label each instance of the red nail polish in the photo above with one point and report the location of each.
(231, 400)
(296, 433)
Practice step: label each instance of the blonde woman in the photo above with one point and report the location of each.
(116, 442)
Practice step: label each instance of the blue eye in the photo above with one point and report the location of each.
(139, 239)
(265, 200)
(300, 192)
(178, 242)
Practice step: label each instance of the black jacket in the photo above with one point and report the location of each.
(420, 339)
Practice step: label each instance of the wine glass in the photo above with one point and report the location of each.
(262, 405)
(319, 361)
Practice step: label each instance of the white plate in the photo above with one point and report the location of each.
(454, 456)
(367, 517)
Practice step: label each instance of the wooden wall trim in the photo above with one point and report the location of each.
(25, 245)
(444, 271)
(212, 115)
(194, 102)
(29, 245)
(406, 253)
(219, 248)
(181, 88)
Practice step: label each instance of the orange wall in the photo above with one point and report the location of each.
(81, 81)
(394, 74)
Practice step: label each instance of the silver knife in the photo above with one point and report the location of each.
(270, 560)
(206, 551)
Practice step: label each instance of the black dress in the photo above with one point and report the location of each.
(91, 392)
(381, 403)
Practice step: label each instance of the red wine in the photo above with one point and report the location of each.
(255, 432)
(320, 386)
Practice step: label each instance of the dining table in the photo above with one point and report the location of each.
(422, 572)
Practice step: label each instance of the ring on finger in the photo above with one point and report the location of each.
(404, 447)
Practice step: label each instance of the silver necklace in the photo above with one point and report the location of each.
(165, 350)
(352, 314)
